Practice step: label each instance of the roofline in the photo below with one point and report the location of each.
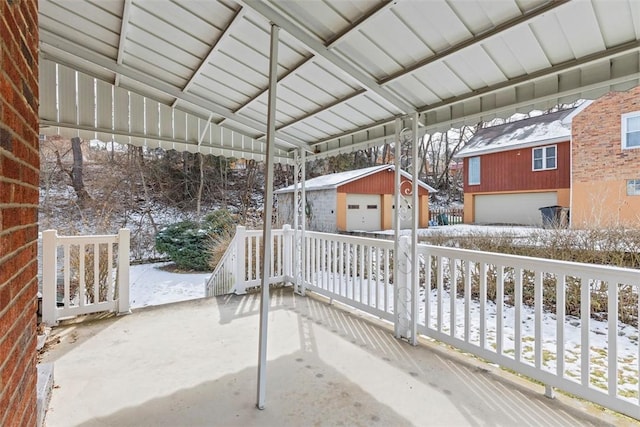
(531, 144)
(346, 181)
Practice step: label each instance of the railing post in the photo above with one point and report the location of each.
(49, 277)
(287, 251)
(403, 289)
(124, 237)
(240, 267)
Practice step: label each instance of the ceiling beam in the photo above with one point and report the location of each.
(214, 48)
(378, 9)
(329, 45)
(610, 53)
(49, 39)
(497, 30)
(124, 26)
(319, 49)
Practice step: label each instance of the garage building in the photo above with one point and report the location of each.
(358, 200)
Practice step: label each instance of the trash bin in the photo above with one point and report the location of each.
(551, 216)
(442, 219)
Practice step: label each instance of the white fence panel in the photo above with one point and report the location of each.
(94, 275)
(496, 306)
(353, 270)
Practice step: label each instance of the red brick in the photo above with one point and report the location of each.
(19, 161)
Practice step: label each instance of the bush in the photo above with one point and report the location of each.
(186, 242)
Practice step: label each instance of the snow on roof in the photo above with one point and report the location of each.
(546, 128)
(334, 180)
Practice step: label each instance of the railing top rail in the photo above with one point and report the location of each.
(101, 238)
(548, 265)
(381, 243)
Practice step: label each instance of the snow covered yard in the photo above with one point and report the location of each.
(152, 285)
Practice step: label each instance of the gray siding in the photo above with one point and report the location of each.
(322, 210)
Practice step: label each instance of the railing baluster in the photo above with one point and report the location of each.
(612, 339)
(517, 321)
(452, 295)
(499, 307)
(96, 273)
(560, 318)
(67, 275)
(467, 300)
(440, 291)
(483, 304)
(361, 268)
(585, 316)
(110, 284)
(537, 302)
(387, 305)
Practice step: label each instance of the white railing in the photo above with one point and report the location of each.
(353, 270)
(510, 310)
(232, 275)
(84, 274)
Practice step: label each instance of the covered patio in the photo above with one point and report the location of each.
(292, 81)
(193, 364)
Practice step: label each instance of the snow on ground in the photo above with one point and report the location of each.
(150, 285)
(468, 229)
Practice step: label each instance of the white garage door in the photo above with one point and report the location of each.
(522, 208)
(363, 212)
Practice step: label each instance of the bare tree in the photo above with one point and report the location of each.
(75, 173)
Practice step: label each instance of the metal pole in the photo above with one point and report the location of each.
(396, 216)
(414, 235)
(268, 212)
(303, 221)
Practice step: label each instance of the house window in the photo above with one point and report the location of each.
(474, 171)
(353, 207)
(372, 206)
(544, 158)
(633, 187)
(631, 130)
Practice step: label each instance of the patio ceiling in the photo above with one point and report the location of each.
(193, 75)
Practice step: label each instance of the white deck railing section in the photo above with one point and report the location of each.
(231, 275)
(498, 307)
(84, 274)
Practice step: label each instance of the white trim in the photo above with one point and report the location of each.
(623, 129)
(544, 158)
(469, 171)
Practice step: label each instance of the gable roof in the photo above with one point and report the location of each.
(334, 180)
(543, 129)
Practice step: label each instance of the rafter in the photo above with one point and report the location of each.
(498, 29)
(320, 50)
(123, 36)
(214, 48)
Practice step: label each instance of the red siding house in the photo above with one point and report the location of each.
(514, 169)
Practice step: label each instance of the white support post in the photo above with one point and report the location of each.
(396, 214)
(287, 251)
(49, 277)
(403, 289)
(268, 212)
(415, 262)
(240, 267)
(124, 238)
(303, 224)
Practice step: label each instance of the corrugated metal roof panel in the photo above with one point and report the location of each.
(347, 68)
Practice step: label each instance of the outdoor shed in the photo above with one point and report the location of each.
(358, 200)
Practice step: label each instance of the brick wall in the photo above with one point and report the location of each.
(600, 166)
(19, 174)
(597, 152)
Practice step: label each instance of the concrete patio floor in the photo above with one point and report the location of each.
(195, 364)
